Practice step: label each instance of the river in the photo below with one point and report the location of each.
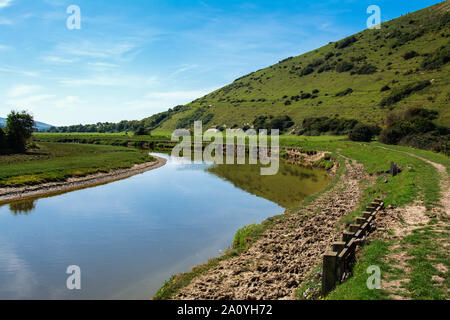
(130, 236)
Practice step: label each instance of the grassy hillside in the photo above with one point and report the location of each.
(405, 64)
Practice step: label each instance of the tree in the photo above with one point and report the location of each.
(141, 131)
(19, 128)
(2, 140)
(364, 133)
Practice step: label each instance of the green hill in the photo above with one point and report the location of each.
(402, 65)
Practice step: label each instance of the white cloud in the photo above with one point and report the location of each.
(110, 81)
(159, 101)
(26, 102)
(5, 47)
(185, 68)
(67, 102)
(98, 49)
(5, 3)
(57, 60)
(18, 71)
(23, 90)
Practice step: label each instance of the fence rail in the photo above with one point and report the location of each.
(338, 263)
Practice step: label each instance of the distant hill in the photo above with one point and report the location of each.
(39, 125)
(405, 64)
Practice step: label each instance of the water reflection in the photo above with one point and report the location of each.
(288, 188)
(130, 236)
(22, 207)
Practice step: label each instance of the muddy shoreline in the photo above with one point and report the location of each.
(274, 266)
(10, 194)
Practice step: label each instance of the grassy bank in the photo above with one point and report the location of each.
(52, 162)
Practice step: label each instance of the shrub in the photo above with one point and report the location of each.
(304, 96)
(189, 120)
(325, 67)
(141, 131)
(399, 94)
(281, 123)
(366, 69)
(385, 88)
(315, 63)
(207, 119)
(306, 71)
(329, 55)
(344, 93)
(345, 43)
(439, 58)
(344, 66)
(364, 133)
(410, 54)
(415, 128)
(322, 125)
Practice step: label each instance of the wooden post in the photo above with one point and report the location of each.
(366, 214)
(394, 169)
(347, 236)
(329, 272)
(354, 228)
(360, 220)
(338, 246)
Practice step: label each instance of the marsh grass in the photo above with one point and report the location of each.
(57, 162)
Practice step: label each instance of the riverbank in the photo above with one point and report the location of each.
(277, 262)
(10, 194)
(282, 257)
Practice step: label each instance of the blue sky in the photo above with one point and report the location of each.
(134, 58)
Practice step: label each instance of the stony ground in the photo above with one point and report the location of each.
(277, 263)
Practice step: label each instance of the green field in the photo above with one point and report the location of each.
(57, 162)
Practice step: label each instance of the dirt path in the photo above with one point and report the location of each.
(402, 222)
(53, 188)
(278, 262)
(444, 181)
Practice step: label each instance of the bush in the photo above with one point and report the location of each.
(366, 69)
(415, 128)
(400, 93)
(322, 125)
(344, 66)
(141, 131)
(329, 55)
(306, 71)
(364, 133)
(410, 54)
(345, 43)
(281, 123)
(385, 88)
(439, 58)
(344, 93)
(304, 96)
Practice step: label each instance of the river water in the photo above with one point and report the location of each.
(129, 236)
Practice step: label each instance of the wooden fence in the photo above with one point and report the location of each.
(338, 263)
